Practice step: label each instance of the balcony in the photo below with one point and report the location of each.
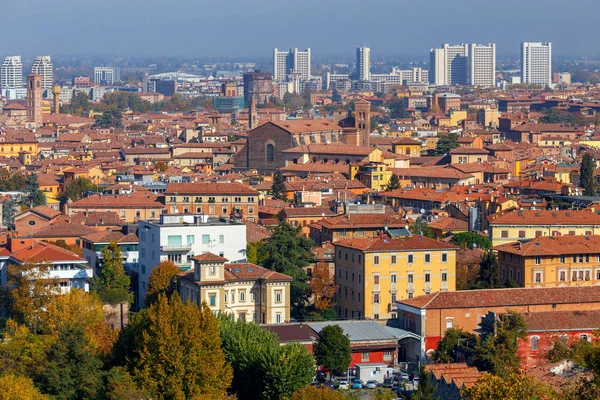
(176, 249)
(392, 307)
(124, 255)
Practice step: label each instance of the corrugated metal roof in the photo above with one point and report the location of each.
(363, 330)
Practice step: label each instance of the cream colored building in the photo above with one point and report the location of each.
(250, 292)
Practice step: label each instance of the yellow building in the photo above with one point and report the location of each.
(12, 148)
(519, 225)
(249, 292)
(375, 176)
(407, 146)
(457, 116)
(551, 261)
(373, 273)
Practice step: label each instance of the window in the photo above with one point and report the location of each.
(444, 257)
(562, 259)
(538, 260)
(538, 233)
(339, 273)
(221, 239)
(393, 297)
(233, 296)
(410, 295)
(353, 277)
(535, 342)
(562, 276)
(427, 258)
(270, 150)
(211, 270)
(521, 234)
(205, 239)
(444, 277)
(212, 299)
(504, 234)
(278, 318)
(538, 277)
(375, 279)
(190, 239)
(376, 260)
(225, 297)
(375, 298)
(278, 297)
(411, 258)
(393, 278)
(364, 356)
(387, 355)
(394, 259)
(449, 323)
(584, 337)
(410, 278)
(253, 295)
(427, 277)
(242, 295)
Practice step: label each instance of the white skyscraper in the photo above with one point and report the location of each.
(536, 63)
(11, 73)
(448, 65)
(42, 65)
(107, 75)
(482, 65)
(288, 62)
(363, 63)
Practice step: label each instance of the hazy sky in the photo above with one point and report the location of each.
(246, 28)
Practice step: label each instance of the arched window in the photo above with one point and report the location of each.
(584, 337)
(535, 342)
(408, 151)
(270, 152)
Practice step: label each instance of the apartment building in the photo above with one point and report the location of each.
(373, 273)
(536, 63)
(212, 199)
(42, 65)
(363, 63)
(247, 291)
(292, 61)
(11, 73)
(482, 65)
(107, 75)
(518, 225)
(548, 261)
(179, 238)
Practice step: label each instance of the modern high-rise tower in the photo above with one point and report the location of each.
(11, 73)
(482, 65)
(42, 65)
(107, 75)
(448, 65)
(536, 63)
(288, 62)
(363, 63)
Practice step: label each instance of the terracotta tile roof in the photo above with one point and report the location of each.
(552, 321)
(61, 230)
(323, 168)
(505, 297)
(468, 150)
(40, 251)
(210, 257)
(107, 237)
(459, 373)
(332, 149)
(307, 212)
(400, 244)
(118, 201)
(357, 221)
(43, 211)
(255, 232)
(212, 188)
(245, 271)
(307, 125)
(449, 224)
(293, 332)
(430, 172)
(545, 217)
(554, 246)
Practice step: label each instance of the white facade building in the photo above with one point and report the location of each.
(536, 63)
(363, 63)
(287, 62)
(11, 73)
(42, 65)
(180, 237)
(107, 75)
(482, 65)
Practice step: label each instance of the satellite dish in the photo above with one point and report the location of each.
(406, 227)
(422, 211)
(534, 203)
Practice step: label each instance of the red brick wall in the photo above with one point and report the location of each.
(531, 357)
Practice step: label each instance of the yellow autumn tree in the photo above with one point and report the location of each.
(19, 388)
(515, 387)
(313, 393)
(163, 279)
(178, 351)
(323, 287)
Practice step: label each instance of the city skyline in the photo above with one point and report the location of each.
(176, 33)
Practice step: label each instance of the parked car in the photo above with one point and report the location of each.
(403, 376)
(343, 385)
(415, 380)
(357, 384)
(388, 382)
(371, 384)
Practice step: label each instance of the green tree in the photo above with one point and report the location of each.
(586, 175)
(120, 385)
(22, 352)
(80, 103)
(162, 280)
(512, 387)
(278, 187)
(73, 372)
(497, 351)
(313, 393)
(421, 228)
(426, 388)
(77, 189)
(396, 107)
(255, 253)
(19, 388)
(288, 252)
(446, 143)
(113, 282)
(332, 349)
(393, 183)
(109, 119)
(489, 272)
(472, 240)
(35, 197)
(262, 369)
(178, 354)
(454, 339)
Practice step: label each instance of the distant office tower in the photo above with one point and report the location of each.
(257, 85)
(293, 61)
(482, 65)
(363, 63)
(42, 65)
(35, 92)
(166, 87)
(536, 63)
(448, 65)
(11, 73)
(107, 75)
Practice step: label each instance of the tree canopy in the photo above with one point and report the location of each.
(445, 143)
(113, 282)
(278, 187)
(332, 349)
(77, 189)
(394, 183)
(472, 240)
(586, 175)
(109, 119)
(162, 280)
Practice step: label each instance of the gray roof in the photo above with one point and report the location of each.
(358, 331)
